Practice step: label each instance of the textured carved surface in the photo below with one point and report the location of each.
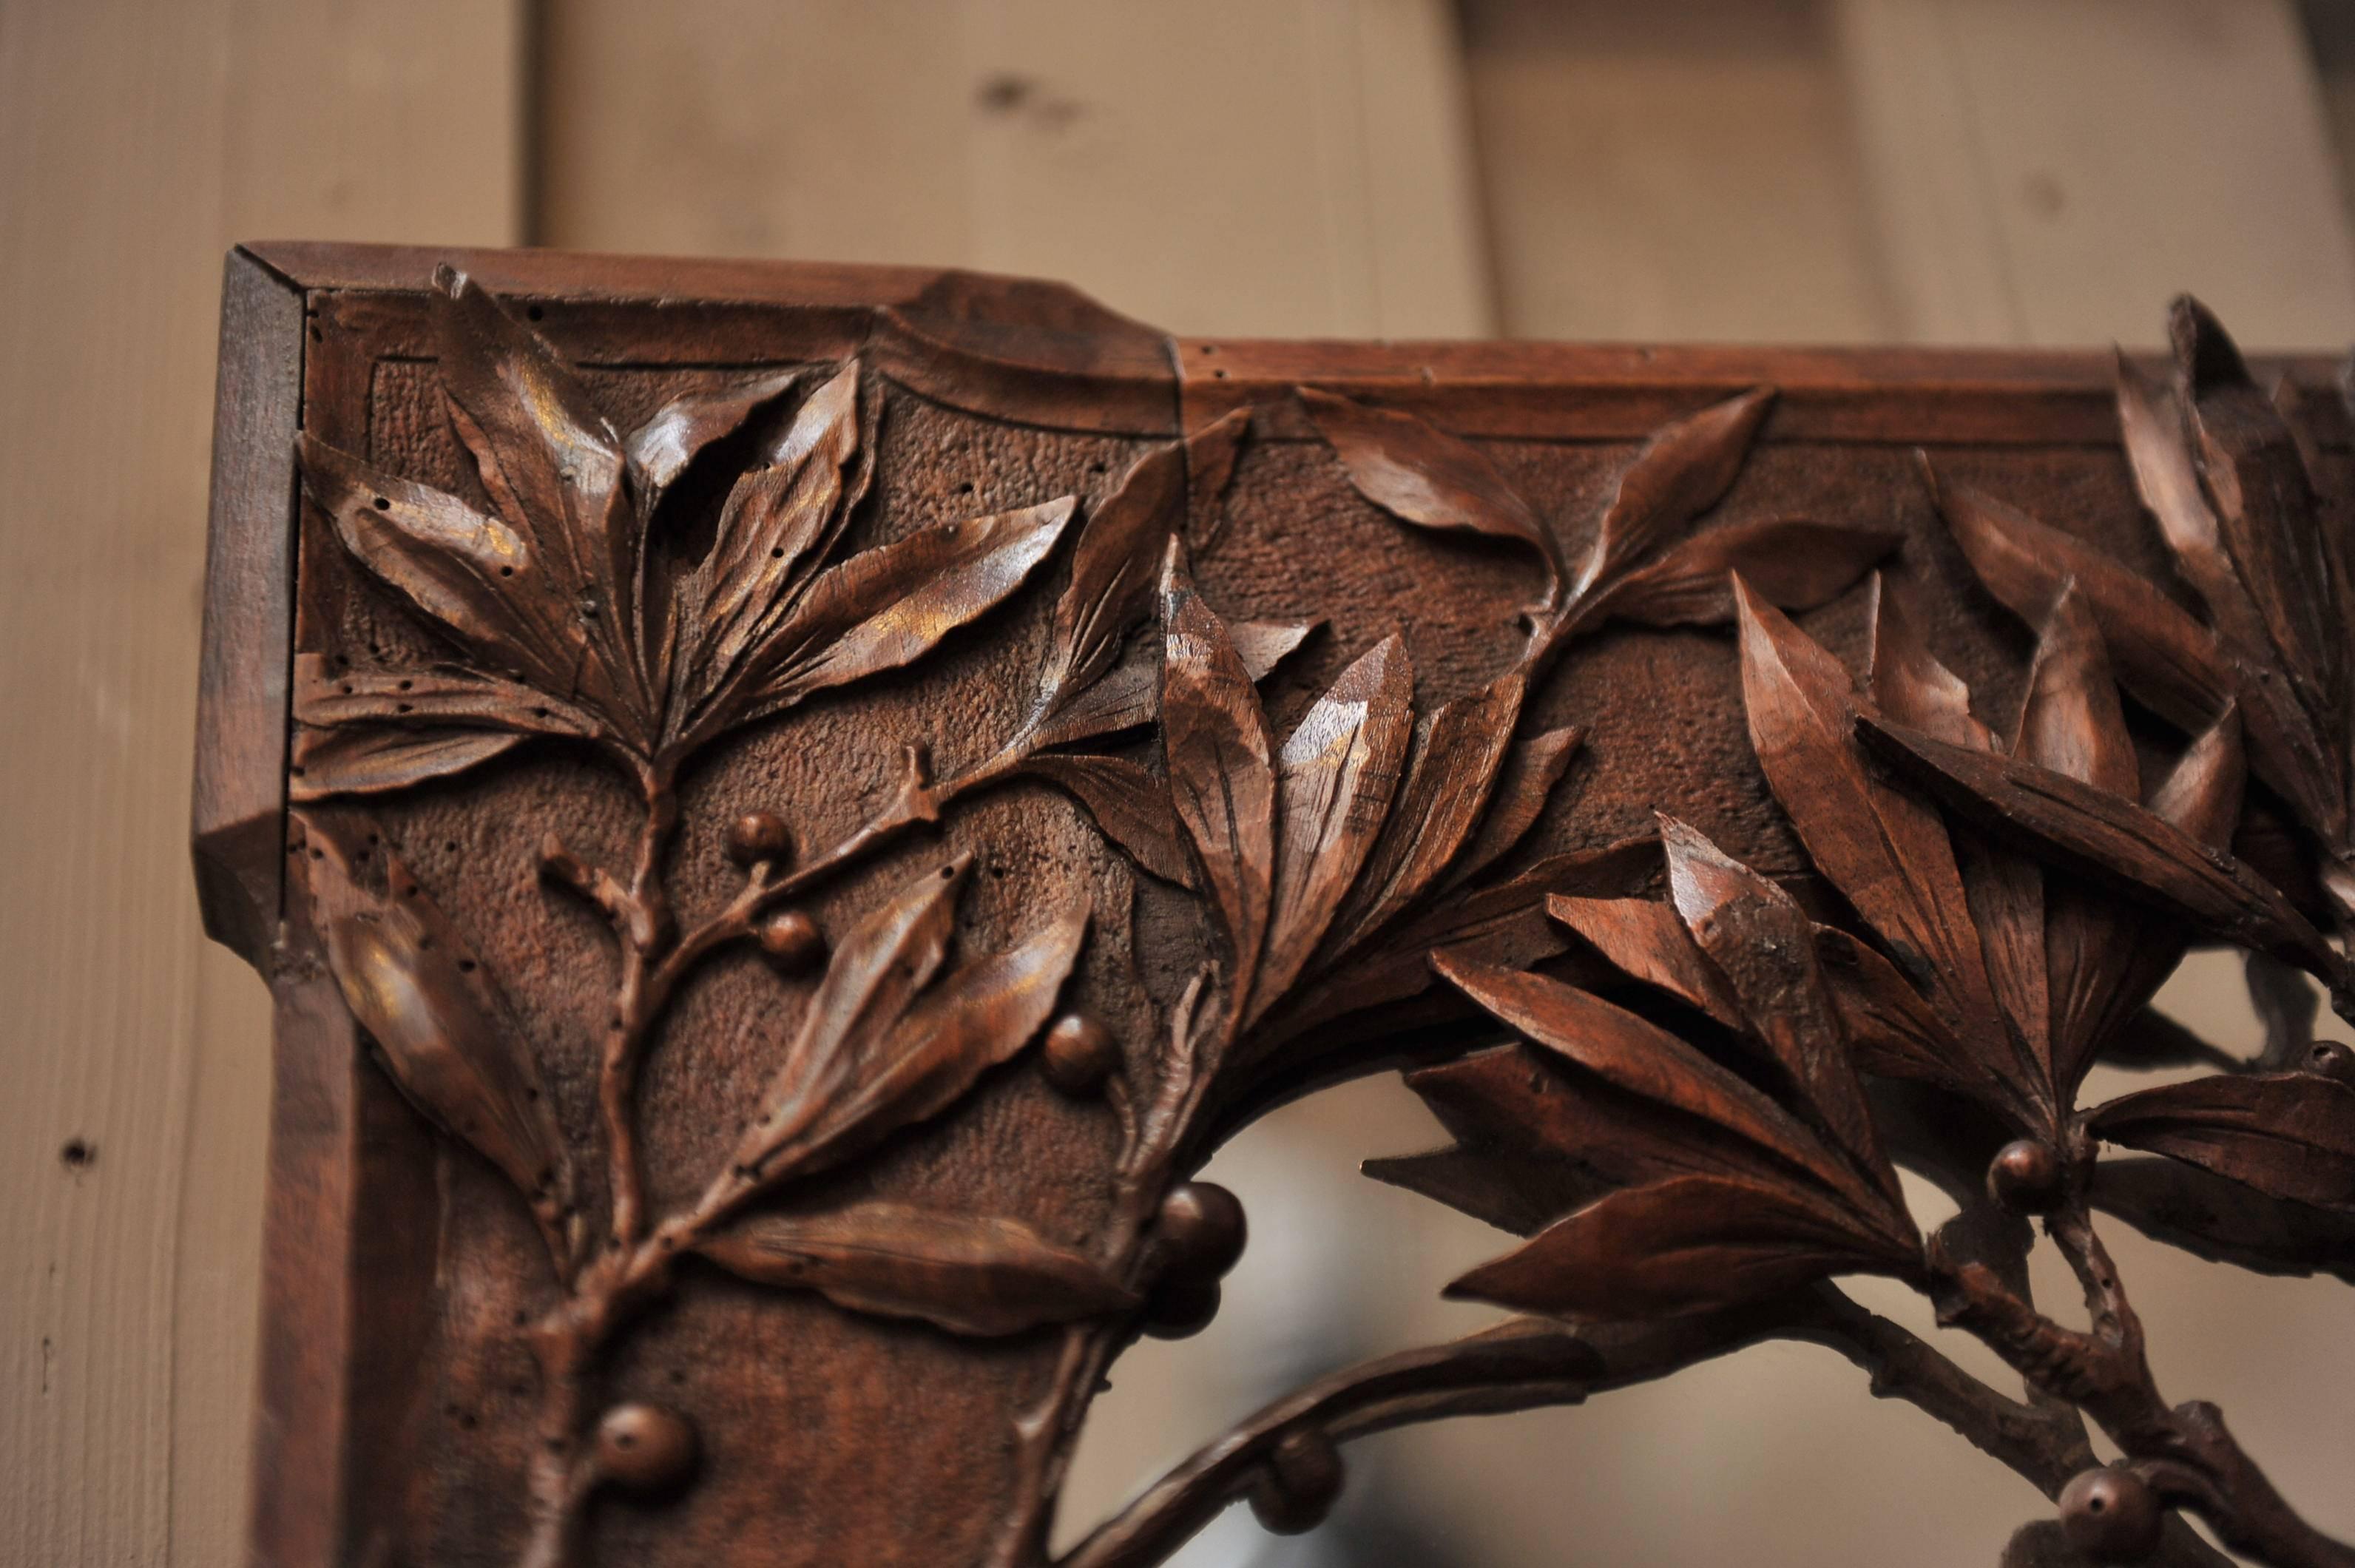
(828, 794)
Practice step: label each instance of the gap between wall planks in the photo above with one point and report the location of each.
(138, 140)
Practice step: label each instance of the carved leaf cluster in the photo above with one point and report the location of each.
(1318, 855)
(2225, 474)
(1686, 1186)
(561, 605)
(1638, 565)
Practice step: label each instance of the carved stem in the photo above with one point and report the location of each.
(637, 1003)
(1519, 1367)
(2184, 1451)
(1151, 1144)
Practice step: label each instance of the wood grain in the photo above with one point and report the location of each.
(137, 142)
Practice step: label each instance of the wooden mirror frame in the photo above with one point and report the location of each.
(787, 809)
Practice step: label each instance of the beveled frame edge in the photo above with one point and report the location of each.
(239, 800)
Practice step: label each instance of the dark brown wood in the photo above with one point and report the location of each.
(237, 818)
(817, 796)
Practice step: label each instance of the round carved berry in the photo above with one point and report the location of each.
(759, 836)
(1300, 1485)
(1080, 1055)
(1202, 1230)
(2025, 1176)
(2111, 1515)
(2332, 1060)
(645, 1448)
(1181, 1308)
(792, 940)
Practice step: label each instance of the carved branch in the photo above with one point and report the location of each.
(1521, 1366)
(2184, 1452)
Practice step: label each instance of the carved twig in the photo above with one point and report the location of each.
(1521, 1366)
(2184, 1452)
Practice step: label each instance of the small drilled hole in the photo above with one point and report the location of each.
(77, 1154)
(535, 313)
(382, 504)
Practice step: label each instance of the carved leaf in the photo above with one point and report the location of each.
(2257, 481)
(1644, 939)
(547, 457)
(891, 605)
(2224, 1221)
(1504, 923)
(445, 1033)
(2201, 794)
(1890, 1027)
(1212, 454)
(1532, 768)
(1129, 804)
(1220, 779)
(870, 980)
(1517, 1191)
(1647, 1062)
(2115, 840)
(1683, 1245)
(473, 578)
(327, 697)
(1886, 852)
(1759, 943)
(2070, 721)
(2165, 657)
(659, 451)
(1456, 760)
(1908, 681)
(969, 1274)
(2288, 1135)
(2152, 421)
(1334, 779)
(776, 523)
(1128, 695)
(1794, 563)
(2169, 659)
(1535, 1138)
(879, 1052)
(1113, 574)
(1682, 471)
(1421, 474)
(328, 762)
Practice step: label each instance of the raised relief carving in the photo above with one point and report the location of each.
(1694, 1140)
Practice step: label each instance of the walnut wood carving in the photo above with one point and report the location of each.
(788, 810)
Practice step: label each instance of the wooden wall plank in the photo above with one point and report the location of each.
(1232, 167)
(138, 140)
(2051, 171)
(1680, 172)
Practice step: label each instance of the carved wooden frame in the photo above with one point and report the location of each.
(684, 740)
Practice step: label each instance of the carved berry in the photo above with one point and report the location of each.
(792, 940)
(2112, 1515)
(1202, 1230)
(1301, 1483)
(1180, 1308)
(759, 836)
(1079, 1054)
(2025, 1176)
(645, 1448)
